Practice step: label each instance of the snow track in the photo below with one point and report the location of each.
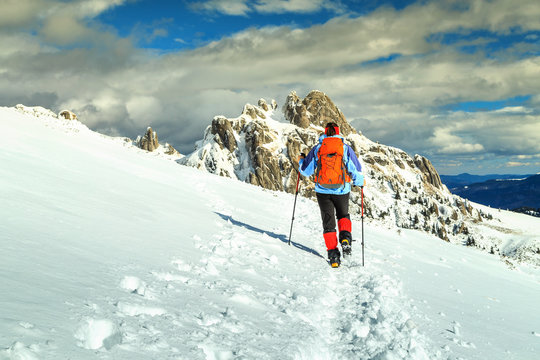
(242, 302)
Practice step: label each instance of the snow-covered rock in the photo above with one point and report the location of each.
(67, 114)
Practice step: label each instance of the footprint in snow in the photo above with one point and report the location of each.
(168, 277)
(181, 266)
(26, 325)
(134, 285)
(136, 310)
(19, 350)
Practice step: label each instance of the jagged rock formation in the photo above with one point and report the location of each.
(68, 115)
(149, 141)
(316, 109)
(430, 174)
(402, 191)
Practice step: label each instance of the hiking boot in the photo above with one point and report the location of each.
(345, 239)
(346, 247)
(334, 258)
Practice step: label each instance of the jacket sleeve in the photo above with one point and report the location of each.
(354, 167)
(307, 165)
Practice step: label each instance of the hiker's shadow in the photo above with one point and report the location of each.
(281, 237)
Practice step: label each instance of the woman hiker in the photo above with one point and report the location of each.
(335, 166)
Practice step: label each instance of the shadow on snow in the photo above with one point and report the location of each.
(281, 237)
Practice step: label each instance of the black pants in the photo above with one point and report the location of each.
(332, 205)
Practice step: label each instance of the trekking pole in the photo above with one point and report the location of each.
(362, 189)
(294, 206)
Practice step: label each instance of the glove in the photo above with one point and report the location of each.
(302, 156)
(359, 181)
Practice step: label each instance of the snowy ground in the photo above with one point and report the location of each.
(110, 252)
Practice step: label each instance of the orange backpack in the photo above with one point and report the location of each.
(331, 170)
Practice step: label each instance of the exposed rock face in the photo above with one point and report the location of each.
(68, 115)
(222, 127)
(430, 174)
(254, 112)
(247, 148)
(316, 109)
(149, 141)
(401, 190)
(263, 105)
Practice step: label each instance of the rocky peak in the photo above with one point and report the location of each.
(264, 105)
(317, 109)
(149, 141)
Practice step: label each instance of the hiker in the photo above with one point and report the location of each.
(335, 166)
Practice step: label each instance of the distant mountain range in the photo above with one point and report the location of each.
(515, 192)
(456, 181)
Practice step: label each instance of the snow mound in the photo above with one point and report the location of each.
(97, 333)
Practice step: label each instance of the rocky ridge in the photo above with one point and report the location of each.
(401, 190)
(69, 122)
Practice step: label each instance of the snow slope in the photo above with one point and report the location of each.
(111, 252)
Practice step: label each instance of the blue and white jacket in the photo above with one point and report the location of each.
(308, 166)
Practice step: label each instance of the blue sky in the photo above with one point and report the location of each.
(453, 80)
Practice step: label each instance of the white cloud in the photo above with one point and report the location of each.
(515, 110)
(297, 6)
(144, 109)
(64, 30)
(32, 12)
(517, 164)
(59, 22)
(448, 143)
(524, 157)
(245, 7)
(228, 7)
(20, 12)
(91, 8)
